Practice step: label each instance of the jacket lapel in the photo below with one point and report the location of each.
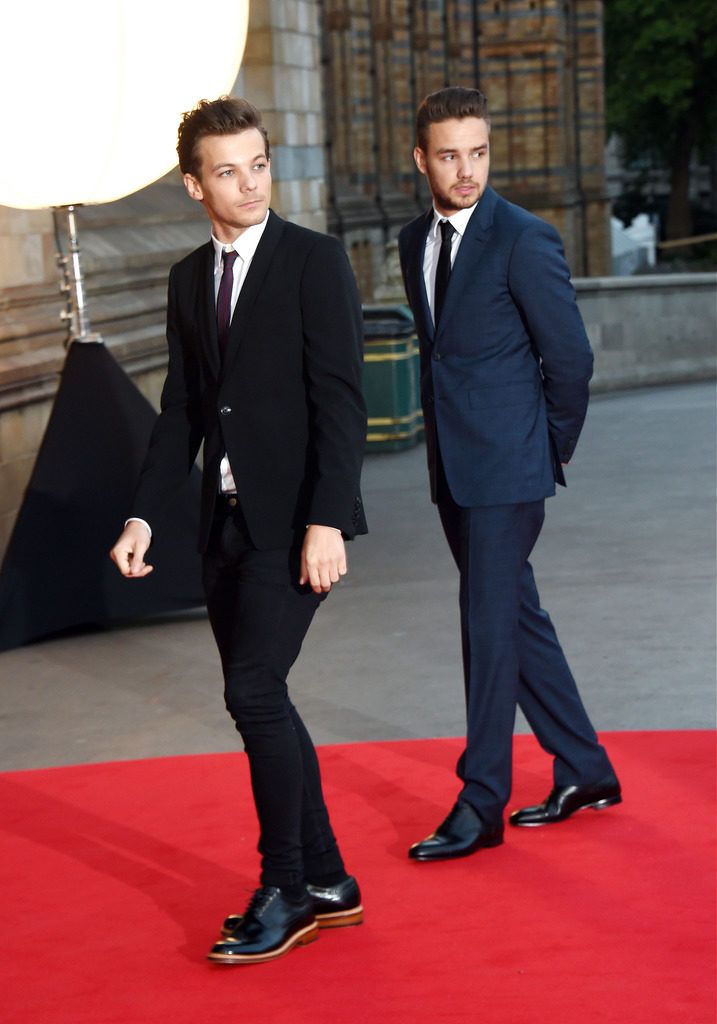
(472, 247)
(416, 281)
(252, 285)
(209, 308)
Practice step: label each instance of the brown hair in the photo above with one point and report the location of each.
(225, 116)
(452, 102)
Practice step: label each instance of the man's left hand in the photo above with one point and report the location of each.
(323, 558)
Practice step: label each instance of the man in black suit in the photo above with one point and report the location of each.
(264, 330)
(505, 365)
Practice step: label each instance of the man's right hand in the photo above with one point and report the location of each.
(129, 551)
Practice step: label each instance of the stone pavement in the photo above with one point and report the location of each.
(625, 565)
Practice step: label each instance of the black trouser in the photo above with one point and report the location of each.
(260, 616)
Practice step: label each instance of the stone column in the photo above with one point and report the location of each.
(590, 120)
(538, 64)
(281, 75)
(30, 333)
(351, 149)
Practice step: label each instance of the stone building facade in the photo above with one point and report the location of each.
(540, 64)
(338, 82)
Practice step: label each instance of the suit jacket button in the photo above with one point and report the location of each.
(436, 356)
(225, 410)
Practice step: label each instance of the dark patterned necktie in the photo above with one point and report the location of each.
(443, 270)
(224, 299)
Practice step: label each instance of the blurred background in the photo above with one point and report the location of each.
(603, 122)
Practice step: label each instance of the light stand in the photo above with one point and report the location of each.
(75, 314)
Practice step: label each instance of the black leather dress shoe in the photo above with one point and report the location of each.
(270, 927)
(335, 906)
(460, 834)
(566, 800)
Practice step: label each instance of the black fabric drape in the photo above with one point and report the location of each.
(56, 573)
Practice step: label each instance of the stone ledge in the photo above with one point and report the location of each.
(640, 281)
(680, 371)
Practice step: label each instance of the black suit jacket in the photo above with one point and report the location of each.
(285, 404)
(504, 378)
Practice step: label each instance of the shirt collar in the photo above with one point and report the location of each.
(245, 245)
(459, 220)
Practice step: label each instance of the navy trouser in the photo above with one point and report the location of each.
(511, 656)
(260, 616)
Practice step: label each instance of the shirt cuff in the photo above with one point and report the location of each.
(136, 519)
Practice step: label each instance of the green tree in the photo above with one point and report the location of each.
(661, 83)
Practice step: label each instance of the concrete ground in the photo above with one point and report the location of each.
(625, 565)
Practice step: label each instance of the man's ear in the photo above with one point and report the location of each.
(420, 157)
(193, 187)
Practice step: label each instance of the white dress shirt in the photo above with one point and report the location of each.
(459, 221)
(245, 246)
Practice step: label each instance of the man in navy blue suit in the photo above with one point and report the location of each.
(505, 366)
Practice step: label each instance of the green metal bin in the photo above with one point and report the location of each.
(391, 379)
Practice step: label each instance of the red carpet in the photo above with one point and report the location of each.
(116, 877)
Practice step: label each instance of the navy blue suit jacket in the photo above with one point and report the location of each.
(504, 379)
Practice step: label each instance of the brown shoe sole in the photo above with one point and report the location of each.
(340, 918)
(302, 938)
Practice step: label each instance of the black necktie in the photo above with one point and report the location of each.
(224, 299)
(443, 270)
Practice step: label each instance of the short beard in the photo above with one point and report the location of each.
(447, 201)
